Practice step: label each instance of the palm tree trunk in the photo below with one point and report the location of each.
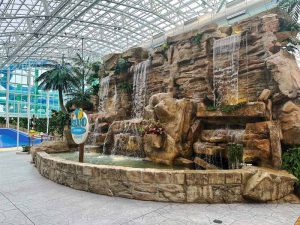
(61, 100)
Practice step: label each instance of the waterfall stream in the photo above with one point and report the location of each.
(139, 88)
(226, 69)
(103, 93)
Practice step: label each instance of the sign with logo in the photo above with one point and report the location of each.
(79, 126)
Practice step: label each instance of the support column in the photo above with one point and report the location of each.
(28, 98)
(7, 95)
(47, 110)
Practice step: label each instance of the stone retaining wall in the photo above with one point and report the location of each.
(219, 186)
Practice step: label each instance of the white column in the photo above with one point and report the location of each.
(28, 98)
(7, 96)
(47, 110)
(18, 125)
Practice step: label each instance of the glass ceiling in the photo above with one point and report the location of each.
(47, 29)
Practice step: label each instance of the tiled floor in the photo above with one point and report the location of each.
(28, 198)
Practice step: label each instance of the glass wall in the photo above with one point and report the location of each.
(20, 95)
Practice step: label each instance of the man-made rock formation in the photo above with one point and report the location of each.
(268, 185)
(183, 124)
(49, 147)
(174, 117)
(185, 186)
(290, 122)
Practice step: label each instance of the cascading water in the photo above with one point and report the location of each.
(139, 88)
(103, 93)
(226, 69)
(94, 133)
(127, 142)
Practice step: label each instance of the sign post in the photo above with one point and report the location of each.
(79, 130)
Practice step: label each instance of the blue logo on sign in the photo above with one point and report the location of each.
(78, 122)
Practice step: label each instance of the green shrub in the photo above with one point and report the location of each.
(26, 148)
(226, 108)
(197, 38)
(231, 108)
(125, 87)
(58, 121)
(291, 161)
(122, 66)
(235, 155)
(165, 48)
(85, 104)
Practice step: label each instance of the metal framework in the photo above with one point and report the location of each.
(44, 29)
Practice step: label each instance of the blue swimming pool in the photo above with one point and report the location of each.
(8, 138)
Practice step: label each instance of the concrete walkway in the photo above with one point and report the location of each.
(28, 198)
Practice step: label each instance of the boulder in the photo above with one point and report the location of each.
(269, 185)
(182, 162)
(265, 95)
(286, 73)
(290, 123)
(110, 61)
(160, 150)
(175, 117)
(135, 55)
(205, 165)
(49, 147)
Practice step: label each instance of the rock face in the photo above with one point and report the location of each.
(49, 147)
(266, 186)
(185, 186)
(125, 138)
(175, 117)
(290, 122)
(286, 74)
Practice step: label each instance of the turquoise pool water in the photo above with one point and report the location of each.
(115, 160)
(8, 138)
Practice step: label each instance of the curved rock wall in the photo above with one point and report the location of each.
(224, 186)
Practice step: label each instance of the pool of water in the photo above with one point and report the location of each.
(8, 138)
(115, 160)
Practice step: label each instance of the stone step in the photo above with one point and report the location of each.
(205, 148)
(252, 109)
(205, 165)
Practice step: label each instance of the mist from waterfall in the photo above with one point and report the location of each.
(139, 88)
(103, 93)
(226, 69)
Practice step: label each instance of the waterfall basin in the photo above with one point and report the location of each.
(114, 160)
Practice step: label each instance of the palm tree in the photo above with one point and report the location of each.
(87, 75)
(59, 78)
(290, 6)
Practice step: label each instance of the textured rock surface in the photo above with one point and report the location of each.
(290, 123)
(255, 109)
(49, 147)
(268, 185)
(213, 186)
(175, 117)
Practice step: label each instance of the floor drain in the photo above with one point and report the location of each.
(218, 221)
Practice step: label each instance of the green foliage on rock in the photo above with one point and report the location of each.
(226, 108)
(122, 66)
(165, 47)
(197, 38)
(291, 161)
(235, 155)
(125, 87)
